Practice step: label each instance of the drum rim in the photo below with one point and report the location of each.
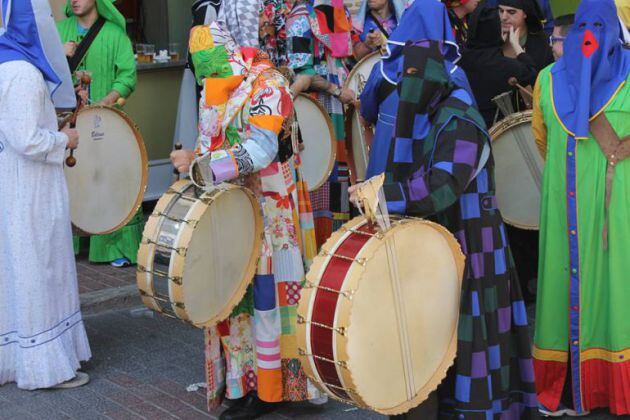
(353, 276)
(356, 67)
(177, 263)
(333, 145)
(144, 163)
(495, 132)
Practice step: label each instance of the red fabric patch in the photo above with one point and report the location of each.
(606, 384)
(589, 44)
(550, 377)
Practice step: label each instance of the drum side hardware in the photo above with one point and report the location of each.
(360, 261)
(180, 251)
(338, 330)
(348, 294)
(192, 223)
(180, 305)
(377, 235)
(176, 279)
(341, 363)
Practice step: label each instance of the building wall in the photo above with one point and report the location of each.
(57, 6)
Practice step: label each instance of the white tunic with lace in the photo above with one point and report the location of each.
(42, 337)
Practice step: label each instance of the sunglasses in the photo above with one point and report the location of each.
(554, 39)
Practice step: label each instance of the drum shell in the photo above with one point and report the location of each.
(345, 368)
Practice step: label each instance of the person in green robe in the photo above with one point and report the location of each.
(111, 61)
(581, 122)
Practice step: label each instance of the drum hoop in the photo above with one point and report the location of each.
(344, 311)
(144, 161)
(333, 146)
(357, 66)
(497, 131)
(146, 251)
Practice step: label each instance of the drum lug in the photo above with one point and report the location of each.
(179, 305)
(180, 251)
(338, 330)
(177, 280)
(341, 363)
(348, 294)
(360, 261)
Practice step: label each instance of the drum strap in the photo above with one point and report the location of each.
(85, 44)
(616, 150)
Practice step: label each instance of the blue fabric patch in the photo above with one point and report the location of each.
(482, 182)
(445, 166)
(470, 206)
(264, 292)
(463, 96)
(475, 304)
(519, 313)
(489, 388)
(421, 126)
(397, 207)
(494, 354)
(403, 152)
(499, 261)
(462, 388)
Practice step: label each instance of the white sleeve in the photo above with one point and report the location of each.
(23, 101)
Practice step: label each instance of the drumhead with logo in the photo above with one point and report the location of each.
(107, 184)
(318, 137)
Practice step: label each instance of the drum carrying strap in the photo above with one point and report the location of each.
(85, 44)
(615, 150)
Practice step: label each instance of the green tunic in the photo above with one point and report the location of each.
(111, 61)
(597, 278)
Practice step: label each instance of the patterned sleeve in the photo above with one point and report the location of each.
(270, 105)
(442, 179)
(300, 41)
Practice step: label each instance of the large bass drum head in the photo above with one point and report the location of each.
(220, 256)
(389, 376)
(107, 184)
(318, 156)
(518, 171)
(361, 72)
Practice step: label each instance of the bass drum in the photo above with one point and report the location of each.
(377, 320)
(199, 252)
(318, 137)
(107, 184)
(518, 170)
(360, 134)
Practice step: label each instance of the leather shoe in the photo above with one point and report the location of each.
(249, 407)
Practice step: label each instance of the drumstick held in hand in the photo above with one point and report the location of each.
(512, 81)
(178, 146)
(85, 80)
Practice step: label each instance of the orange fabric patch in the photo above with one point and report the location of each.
(268, 122)
(218, 90)
(270, 385)
(342, 23)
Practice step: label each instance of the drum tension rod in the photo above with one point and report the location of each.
(348, 294)
(341, 363)
(377, 235)
(176, 280)
(180, 251)
(360, 261)
(180, 305)
(193, 223)
(338, 330)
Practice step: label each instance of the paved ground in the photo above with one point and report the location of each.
(141, 365)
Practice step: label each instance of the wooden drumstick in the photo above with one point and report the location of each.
(178, 146)
(512, 81)
(85, 80)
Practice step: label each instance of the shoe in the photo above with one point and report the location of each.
(121, 262)
(81, 379)
(249, 407)
(562, 410)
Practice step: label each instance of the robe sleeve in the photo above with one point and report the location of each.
(269, 107)
(538, 123)
(20, 113)
(444, 177)
(125, 77)
(300, 45)
(369, 96)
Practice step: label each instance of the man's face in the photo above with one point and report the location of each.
(377, 4)
(82, 7)
(557, 45)
(512, 17)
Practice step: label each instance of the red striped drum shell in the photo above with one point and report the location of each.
(377, 320)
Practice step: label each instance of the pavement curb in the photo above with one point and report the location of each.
(110, 298)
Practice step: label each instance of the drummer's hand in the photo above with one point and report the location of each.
(181, 159)
(73, 137)
(70, 48)
(347, 96)
(82, 93)
(374, 39)
(301, 84)
(111, 99)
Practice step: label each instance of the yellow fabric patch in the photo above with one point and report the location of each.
(606, 355)
(288, 347)
(268, 122)
(550, 355)
(200, 39)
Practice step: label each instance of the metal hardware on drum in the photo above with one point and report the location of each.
(180, 251)
(360, 261)
(341, 363)
(192, 223)
(377, 235)
(177, 280)
(180, 305)
(338, 330)
(348, 294)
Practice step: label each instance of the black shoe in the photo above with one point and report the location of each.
(249, 407)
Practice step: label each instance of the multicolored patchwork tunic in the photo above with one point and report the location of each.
(442, 170)
(241, 118)
(316, 49)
